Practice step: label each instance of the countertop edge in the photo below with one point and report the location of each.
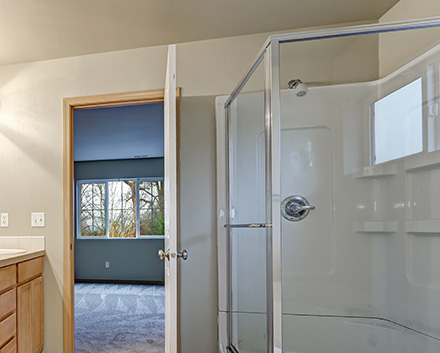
(6, 260)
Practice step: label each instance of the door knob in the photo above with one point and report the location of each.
(183, 255)
(162, 254)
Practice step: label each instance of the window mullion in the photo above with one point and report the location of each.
(107, 222)
(137, 209)
(78, 210)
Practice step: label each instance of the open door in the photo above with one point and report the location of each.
(170, 255)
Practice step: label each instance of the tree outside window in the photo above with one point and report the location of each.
(93, 209)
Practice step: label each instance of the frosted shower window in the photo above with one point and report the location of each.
(398, 126)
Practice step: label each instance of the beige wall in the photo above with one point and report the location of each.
(215, 67)
(31, 146)
(31, 177)
(330, 61)
(198, 275)
(396, 49)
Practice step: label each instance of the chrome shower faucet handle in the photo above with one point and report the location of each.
(295, 208)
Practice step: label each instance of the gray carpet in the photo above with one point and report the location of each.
(119, 318)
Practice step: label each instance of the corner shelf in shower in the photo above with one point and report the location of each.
(422, 160)
(375, 226)
(427, 226)
(376, 171)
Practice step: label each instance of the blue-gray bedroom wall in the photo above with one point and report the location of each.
(130, 259)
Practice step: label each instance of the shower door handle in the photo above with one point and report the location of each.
(249, 225)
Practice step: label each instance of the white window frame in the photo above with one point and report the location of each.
(106, 181)
(408, 81)
(433, 102)
(426, 67)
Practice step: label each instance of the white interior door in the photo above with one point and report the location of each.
(170, 262)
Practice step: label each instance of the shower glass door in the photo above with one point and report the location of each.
(360, 268)
(246, 222)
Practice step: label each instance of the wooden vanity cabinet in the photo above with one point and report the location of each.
(8, 280)
(21, 307)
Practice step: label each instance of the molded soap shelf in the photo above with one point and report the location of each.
(422, 160)
(375, 226)
(376, 171)
(427, 226)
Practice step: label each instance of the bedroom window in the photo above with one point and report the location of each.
(123, 208)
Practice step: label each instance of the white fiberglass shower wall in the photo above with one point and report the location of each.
(361, 272)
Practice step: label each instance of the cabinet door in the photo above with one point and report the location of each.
(24, 310)
(30, 333)
(37, 315)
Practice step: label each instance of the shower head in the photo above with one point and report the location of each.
(298, 87)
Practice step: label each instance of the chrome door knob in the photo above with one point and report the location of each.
(295, 208)
(180, 255)
(162, 254)
(183, 255)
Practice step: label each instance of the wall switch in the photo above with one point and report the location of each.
(4, 220)
(107, 264)
(38, 219)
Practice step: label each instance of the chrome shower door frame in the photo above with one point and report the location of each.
(270, 53)
(273, 197)
(264, 60)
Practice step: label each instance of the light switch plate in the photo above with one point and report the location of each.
(4, 220)
(38, 219)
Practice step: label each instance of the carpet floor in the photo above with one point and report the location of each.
(119, 318)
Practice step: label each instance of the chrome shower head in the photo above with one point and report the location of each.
(299, 87)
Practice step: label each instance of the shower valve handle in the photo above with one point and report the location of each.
(295, 208)
(298, 208)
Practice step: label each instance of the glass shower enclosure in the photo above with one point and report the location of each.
(328, 174)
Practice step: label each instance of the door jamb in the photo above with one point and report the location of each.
(69, 105)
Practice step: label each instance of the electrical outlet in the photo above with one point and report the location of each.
(107, 264)
(38, 219)
(4, 220)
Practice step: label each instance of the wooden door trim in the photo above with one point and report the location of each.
(69, 105)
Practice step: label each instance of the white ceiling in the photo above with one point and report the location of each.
(125, 132)
(46, 29)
